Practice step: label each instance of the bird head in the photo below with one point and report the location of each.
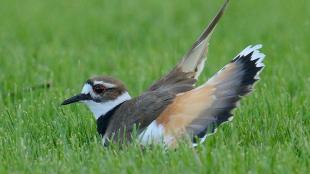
(101, 94)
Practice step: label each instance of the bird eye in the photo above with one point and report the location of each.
(99, 89)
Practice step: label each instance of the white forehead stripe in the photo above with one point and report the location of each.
(86, 89)
(108, 85)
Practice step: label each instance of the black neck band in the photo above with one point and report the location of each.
(104, 120)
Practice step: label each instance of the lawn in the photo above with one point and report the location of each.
(137, 41)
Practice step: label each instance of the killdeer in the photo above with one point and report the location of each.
(173, 107)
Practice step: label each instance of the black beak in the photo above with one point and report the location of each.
(77, 98)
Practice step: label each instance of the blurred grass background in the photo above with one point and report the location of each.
(137, 41)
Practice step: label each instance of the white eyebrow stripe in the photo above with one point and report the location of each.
(108, 85)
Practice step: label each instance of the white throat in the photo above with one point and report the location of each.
(99, 109)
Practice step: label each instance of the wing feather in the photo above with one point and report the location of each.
(192, 63)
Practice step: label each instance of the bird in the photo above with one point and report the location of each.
(173, 108)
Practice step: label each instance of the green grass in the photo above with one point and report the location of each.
(137, 41)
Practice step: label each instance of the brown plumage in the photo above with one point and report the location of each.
(172, 107)
(199, 111)
(182, 78)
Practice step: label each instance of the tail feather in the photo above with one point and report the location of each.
(200, 111)
(232, 82)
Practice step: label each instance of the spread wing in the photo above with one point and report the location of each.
(189, 68)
